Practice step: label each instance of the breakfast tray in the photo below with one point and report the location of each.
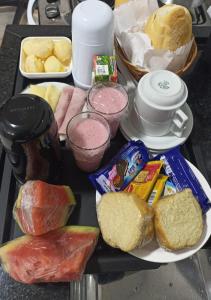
(105, 258)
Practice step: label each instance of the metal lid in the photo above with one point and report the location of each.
(25, 117)
(162, 89)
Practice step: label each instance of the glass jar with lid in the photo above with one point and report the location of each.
(28, 132)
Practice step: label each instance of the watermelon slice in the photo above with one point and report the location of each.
(42, 207)
(59, 255)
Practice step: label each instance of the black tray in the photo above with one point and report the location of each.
(105, 258)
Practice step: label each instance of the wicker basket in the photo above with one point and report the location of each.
(137, 72)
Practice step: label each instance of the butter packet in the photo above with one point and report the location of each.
(157, 190)
(104, 68)
(121, 170)
(143, 183)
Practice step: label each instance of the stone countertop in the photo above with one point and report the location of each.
(6, 17)
(199, 99)
(12, 290)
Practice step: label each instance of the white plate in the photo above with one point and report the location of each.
(152, 252)
(66, 73)
(157, 143)
(59, 85)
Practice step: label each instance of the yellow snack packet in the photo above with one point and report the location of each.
(143, 183)
(157, 190)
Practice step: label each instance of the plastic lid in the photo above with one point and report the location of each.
(25, 117)
(162, 89)
(92, 22)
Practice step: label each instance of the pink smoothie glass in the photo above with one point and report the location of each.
(88, 135)
(110, 100)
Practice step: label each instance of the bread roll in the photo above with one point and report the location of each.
(63, 51)
(125, 221)
(33, 64)
(120, 2)
(178, 221)
(52, 64)
(42, 48)
(169, 27)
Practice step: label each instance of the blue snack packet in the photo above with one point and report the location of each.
(124, 166)
(182, 176)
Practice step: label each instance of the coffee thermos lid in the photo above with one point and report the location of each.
(92, 34)
(25, 117)
(92, 22)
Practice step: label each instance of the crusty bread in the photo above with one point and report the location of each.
(169, 27)
(120, 2)
(125, 221)
(178, 221)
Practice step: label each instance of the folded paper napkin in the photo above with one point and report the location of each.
(129, 30)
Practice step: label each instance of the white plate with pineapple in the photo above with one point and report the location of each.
(49, 91)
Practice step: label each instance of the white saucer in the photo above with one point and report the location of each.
(154, 253)
(157, 143)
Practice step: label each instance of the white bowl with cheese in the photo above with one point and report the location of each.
(46, 57)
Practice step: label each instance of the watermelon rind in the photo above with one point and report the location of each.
(70, 195)
(82, 229)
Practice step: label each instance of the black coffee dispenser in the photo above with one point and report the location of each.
(28, 132)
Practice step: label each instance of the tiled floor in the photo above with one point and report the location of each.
(176, 281)
(188, 279)
(6, 17)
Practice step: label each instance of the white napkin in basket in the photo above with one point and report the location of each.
(129, 23)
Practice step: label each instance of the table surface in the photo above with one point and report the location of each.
(196, 149)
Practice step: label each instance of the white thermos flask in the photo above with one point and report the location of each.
(92, 34)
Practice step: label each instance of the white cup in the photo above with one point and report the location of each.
(157, 105)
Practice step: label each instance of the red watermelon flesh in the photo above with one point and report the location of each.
(42, 207)
(59, 255)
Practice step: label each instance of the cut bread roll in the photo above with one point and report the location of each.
(169, 27)
(125, 221)
(178, 221)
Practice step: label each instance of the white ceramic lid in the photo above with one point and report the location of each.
(92, 22)
(162, 89)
